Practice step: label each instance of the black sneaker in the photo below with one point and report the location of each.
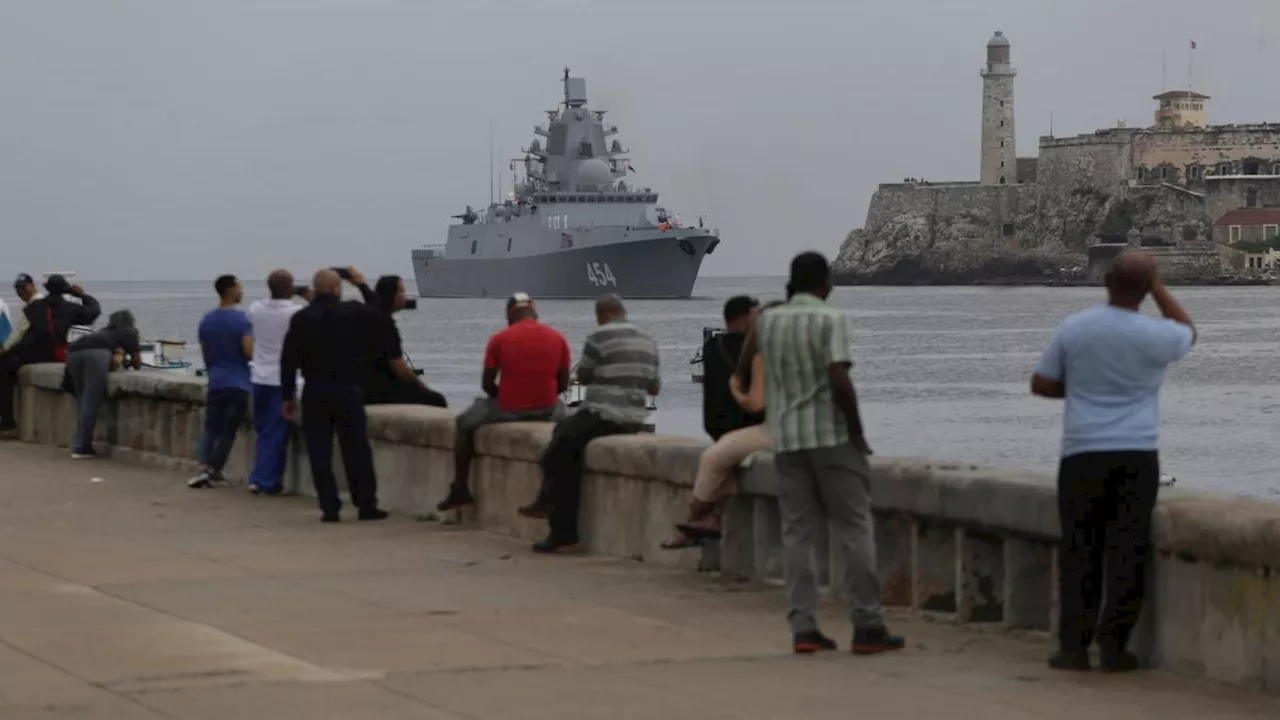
(538, 510)
(330, 518)
(258, 490)
(1070, 660)
(552, 545)
(86, 454)
(871, 641)
(459, 497)
(374, 514)
(1119, 661)
(811, 642)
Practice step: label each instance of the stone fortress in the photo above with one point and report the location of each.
(1203, 198)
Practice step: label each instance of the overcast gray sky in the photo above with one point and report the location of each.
(155, 139)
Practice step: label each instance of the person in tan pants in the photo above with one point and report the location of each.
(715, 479)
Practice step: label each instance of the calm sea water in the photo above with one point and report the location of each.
(942, 372)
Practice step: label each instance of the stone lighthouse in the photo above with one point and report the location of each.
(999, 163)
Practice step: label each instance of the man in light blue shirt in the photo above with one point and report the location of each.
(1108, 362)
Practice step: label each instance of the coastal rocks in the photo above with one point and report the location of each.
(964, 233)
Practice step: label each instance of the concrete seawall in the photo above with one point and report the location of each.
(963, 543)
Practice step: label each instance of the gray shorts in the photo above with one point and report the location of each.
(485, 411)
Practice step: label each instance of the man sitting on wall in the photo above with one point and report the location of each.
(619, 366)
(526, 368)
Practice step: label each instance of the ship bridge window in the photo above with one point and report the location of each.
(585, 150)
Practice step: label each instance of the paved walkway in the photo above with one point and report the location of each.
(134, 598)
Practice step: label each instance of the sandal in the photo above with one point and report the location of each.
(701, 533)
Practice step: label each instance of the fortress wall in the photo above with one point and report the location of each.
(961, 542)
(1099, 162)
(1209, 146)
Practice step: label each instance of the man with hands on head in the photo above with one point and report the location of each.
(1108, 363)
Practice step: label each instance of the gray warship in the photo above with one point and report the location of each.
(571, 227)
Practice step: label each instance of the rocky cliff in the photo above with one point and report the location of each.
(961, 233)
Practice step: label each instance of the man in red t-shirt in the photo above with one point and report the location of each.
(526, 369)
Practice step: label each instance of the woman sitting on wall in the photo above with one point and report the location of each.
(89, 360)
(719, 463)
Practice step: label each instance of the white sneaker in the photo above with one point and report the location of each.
(203, 480)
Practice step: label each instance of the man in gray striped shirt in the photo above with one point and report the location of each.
(619, 368)
(821, 457)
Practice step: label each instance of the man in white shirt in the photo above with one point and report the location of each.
(270, 319)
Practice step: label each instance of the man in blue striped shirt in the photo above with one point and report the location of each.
(619, 368)
(821, 457)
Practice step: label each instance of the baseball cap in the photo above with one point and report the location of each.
(519, 300)
(23, 279)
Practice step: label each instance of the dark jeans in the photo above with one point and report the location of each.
(88, 370)
(224, 412)
(327, 410)
(1105, 500)
(562, 465)
(9, 364)
(402, 392)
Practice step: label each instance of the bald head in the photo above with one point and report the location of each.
(326, 282)
(609, 308)
(1130, 278)
(280, 283)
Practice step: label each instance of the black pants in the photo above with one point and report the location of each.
(1105, 501)
(9, 364)
(562, 465)
(402, 392)
(330, 410)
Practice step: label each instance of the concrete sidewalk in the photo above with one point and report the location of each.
(134, 597)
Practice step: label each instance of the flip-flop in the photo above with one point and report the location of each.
(681, 544)
(699, 532)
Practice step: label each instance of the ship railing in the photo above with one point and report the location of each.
(430, 251)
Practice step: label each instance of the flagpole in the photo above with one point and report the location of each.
(1191, 58)
(1164, 70)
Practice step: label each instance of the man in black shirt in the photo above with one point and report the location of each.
(720, 414)
(49, 319)
(333, 343)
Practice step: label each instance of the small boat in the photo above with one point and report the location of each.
(697, 362)
(155, 354)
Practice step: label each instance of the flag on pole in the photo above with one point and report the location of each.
(1193, 44)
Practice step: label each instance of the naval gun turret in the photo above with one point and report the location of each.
(468, 218)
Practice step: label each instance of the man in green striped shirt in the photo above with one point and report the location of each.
(821, 457)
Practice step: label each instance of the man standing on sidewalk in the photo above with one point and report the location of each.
(333, 343)
(270, 320)
(226, 342)
(821, 457)
(1108, 362)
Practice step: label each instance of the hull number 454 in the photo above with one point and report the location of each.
(600, 275)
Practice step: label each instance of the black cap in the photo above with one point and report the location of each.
(519, 300)
(23, 280)
(57, 285)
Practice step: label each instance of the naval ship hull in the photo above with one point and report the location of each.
(663, 267)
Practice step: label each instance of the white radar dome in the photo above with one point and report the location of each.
(594, 172)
